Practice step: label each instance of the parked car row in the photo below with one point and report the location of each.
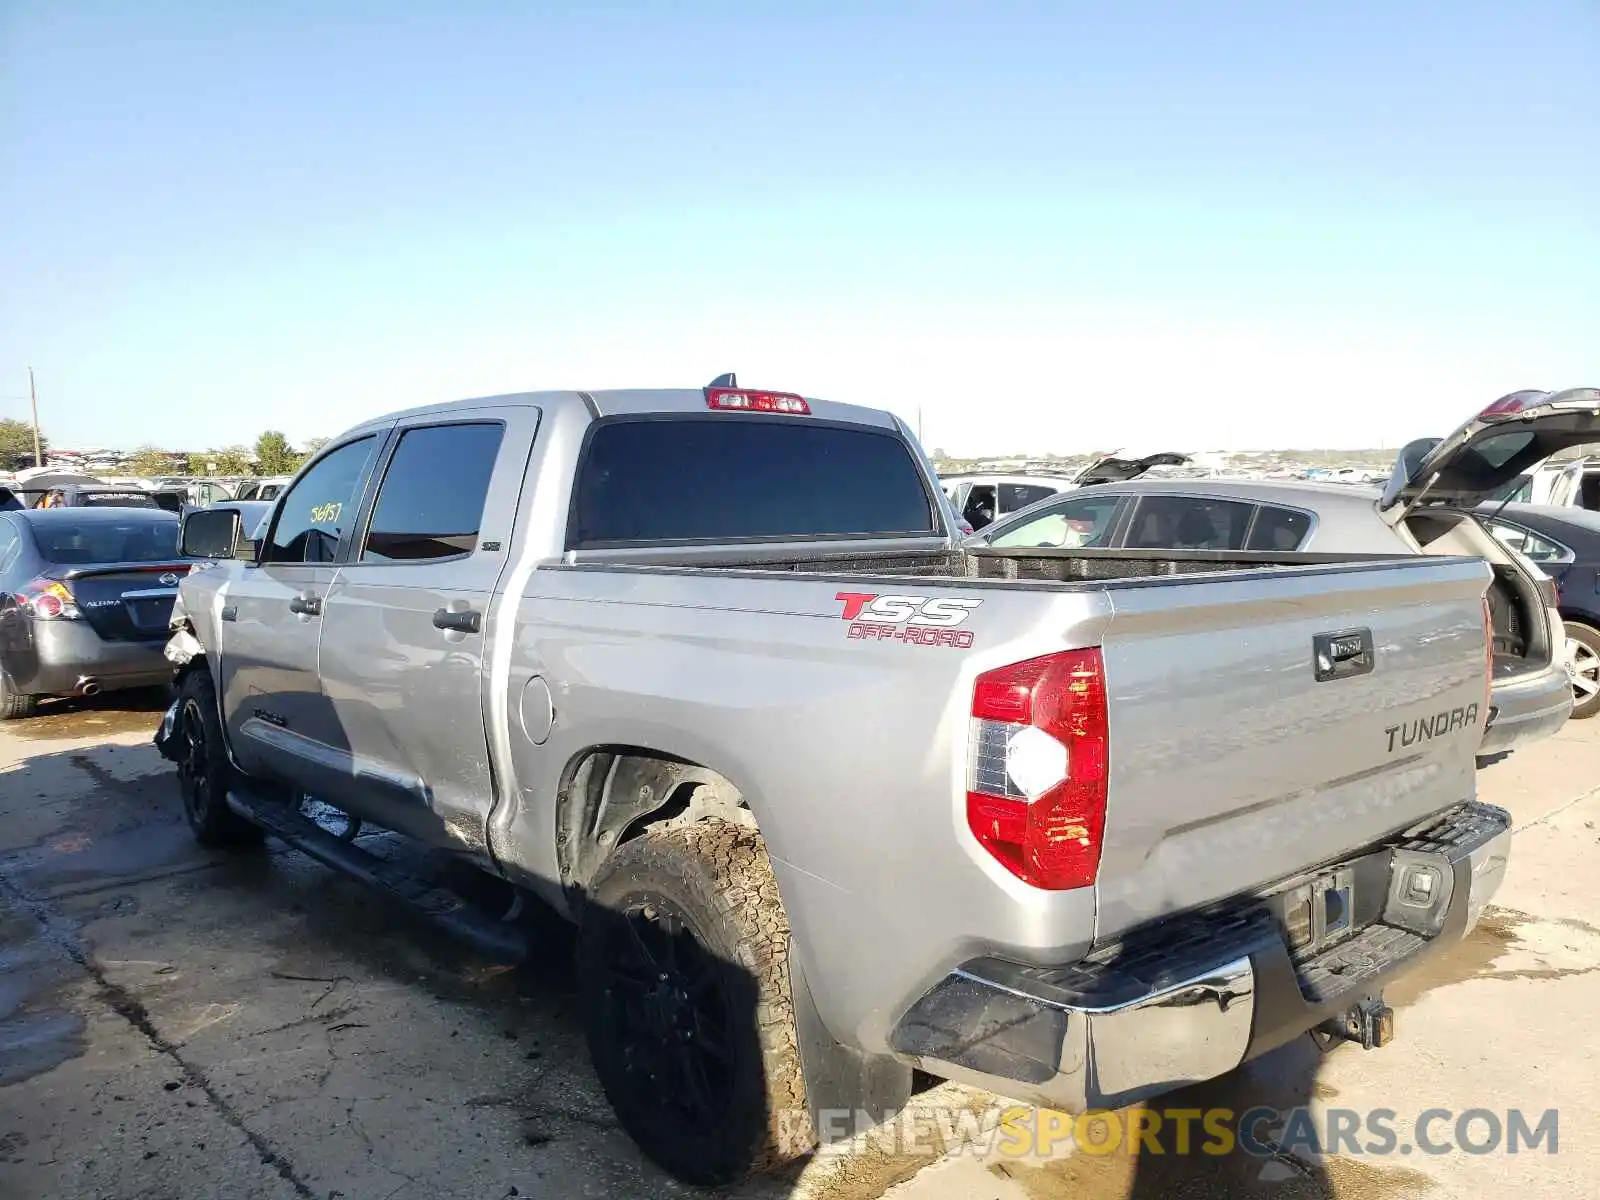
(52, 488)
(1547, 641)
(981, 499)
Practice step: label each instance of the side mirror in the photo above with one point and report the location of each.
(209, 533)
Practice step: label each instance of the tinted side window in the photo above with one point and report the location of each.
(726, 477)
(1083, 521)
(1015, 496)
(10, 545)
(1278, 529)
(430, 504)
(1188, 523)
(318, 509)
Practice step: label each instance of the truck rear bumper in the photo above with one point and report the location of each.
(1203, 995)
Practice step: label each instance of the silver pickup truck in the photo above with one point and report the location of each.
(830, 797)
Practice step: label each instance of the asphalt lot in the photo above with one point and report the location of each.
(176, 1023)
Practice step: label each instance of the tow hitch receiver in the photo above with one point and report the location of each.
(1369, 1023)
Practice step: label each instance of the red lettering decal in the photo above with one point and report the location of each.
(854, 602)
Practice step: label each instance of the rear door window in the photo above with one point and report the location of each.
(1278, 528)
(1080, 521)
(731, 478)
(1167, 522)
(430, 503)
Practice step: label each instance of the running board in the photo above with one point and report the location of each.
(441, 907)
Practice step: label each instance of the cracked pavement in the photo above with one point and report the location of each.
(180, 1023)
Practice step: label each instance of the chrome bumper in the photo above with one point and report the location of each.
(1200, 997)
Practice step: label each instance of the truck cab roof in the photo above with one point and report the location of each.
(631, 402)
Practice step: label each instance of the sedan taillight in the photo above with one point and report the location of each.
(49, 600)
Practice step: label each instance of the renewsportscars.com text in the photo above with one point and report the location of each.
(1019, 1132)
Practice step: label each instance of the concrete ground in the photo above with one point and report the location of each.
(176, 1023)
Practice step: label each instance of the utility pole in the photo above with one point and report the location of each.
(33, 394)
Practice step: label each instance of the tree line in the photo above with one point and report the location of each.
(272, 454)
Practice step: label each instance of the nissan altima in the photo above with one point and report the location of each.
(85, 597)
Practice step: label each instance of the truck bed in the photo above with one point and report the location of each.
(1038, 565)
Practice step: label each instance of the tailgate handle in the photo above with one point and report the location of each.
(1342, 654)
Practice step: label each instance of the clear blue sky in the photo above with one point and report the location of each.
(1051, 226)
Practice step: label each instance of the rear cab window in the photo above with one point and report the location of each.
(732, 478)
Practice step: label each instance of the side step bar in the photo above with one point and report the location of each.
(498, 940)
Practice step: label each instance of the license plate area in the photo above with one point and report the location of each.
(1319, 912)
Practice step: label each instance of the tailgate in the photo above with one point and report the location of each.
(127, 603)
(1234, 765)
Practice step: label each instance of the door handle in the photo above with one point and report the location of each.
(230, 612)
(467, 620)
(306, 606)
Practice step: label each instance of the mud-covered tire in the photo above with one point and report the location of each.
(703, 890)
(1583, 669)
(204, 773)
(14, 706)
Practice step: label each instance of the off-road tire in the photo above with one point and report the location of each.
(204, 773)
(13, 705)
(715, 879)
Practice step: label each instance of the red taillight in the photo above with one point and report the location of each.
(49, 600)
(1512, 404)
(1038, 767)
(744, 400)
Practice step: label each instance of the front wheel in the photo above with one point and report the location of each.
(1583, 669)
(204, 773)
(683, 968)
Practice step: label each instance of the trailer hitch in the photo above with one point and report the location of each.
(1368, 1022)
